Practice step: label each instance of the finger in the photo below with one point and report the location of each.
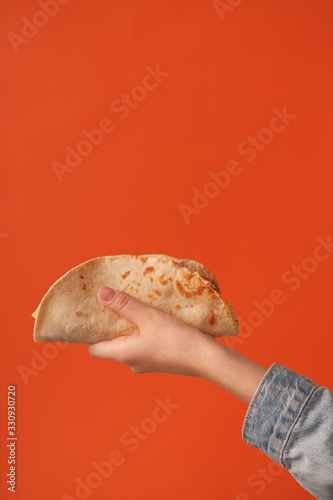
(114, 349)
(124, 305)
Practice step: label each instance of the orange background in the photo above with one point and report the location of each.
(225, 78)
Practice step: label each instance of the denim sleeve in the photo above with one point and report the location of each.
(290, 418)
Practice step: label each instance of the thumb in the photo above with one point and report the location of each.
(124, 305)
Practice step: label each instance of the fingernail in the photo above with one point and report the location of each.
(106, 293)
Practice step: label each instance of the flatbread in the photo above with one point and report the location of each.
(72, 312)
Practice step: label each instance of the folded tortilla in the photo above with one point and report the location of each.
(72, 312)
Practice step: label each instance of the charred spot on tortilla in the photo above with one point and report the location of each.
(126, 274)
(188, 294)
(212, 318)
(162, 280)
(149, 269)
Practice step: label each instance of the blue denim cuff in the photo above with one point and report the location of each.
(274, 410)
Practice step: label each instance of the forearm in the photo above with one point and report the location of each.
(230, 370)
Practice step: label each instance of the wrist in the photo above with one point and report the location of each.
(214, 357)
(207, 355)
(229, 369)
